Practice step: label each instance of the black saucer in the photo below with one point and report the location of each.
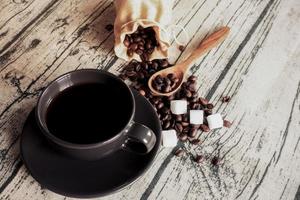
(79, 178)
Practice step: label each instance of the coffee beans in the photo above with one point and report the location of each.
(226, 99)
(182, 137)
(140, 72)
(160, 105)
(210, 106)
(215, 161)
(178, 118)
(164, 63)
(199, 159)
(184, 123)
(207, 112)
(204, 128)
(196, 142)
(203, 101)
(178, 127)
(179, 152)
(192, 79)
(166, 125)
(227, 123)
(192, 132)
(142, 92)
(109, 27)
(142, 42)
(165, 84)
(186, 130)
(181, 48)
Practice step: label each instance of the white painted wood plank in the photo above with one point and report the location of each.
(261, 111)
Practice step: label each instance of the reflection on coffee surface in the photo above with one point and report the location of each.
(89, 113)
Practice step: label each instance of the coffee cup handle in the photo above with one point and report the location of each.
(140, 139)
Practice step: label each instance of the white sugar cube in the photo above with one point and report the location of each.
(169, 138)
(179, 107)
(215, 121)
(196, 116)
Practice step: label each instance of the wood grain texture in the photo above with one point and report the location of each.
(257, 65)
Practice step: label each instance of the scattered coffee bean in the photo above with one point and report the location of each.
(193, 132)
(210, 106)
(179, 152)
(166, 125)
(186, 130)
(182, 137)
(181, 48)
(178, 127)
(203, 101)
(195, 106)
(109, 27)
(164, 63)
(165, 110)
(130, 52)
(227, 123)
(155, 100)
(142, 43)
(138, 51)
(145, 57)
(126, 42)
(195, 95)
(172, 123)
(137, 86)
(140, 72)
(192, 78)
(130, 73)
(226, 99)
(164, 117)
(215, 161)
(199, 158)
(142, 92)
(169, 117)
(187, 93)
(185, 118)
(196, 142)
(178, 118)
(185, 123)
(207, 112)
(123, 76)
(204, 128)
(160, 105)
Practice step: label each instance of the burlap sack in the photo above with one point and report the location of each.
(145, 13)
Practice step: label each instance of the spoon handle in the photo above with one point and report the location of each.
(206, 45)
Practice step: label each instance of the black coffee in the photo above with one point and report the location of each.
(89, 113)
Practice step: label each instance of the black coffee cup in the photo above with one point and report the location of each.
(76, 138)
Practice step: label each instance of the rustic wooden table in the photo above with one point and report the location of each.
(258, 66)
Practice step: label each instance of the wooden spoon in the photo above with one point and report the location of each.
(180, 70)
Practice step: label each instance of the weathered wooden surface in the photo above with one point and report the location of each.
(258, 65)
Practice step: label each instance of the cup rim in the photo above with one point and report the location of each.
(71, 145)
